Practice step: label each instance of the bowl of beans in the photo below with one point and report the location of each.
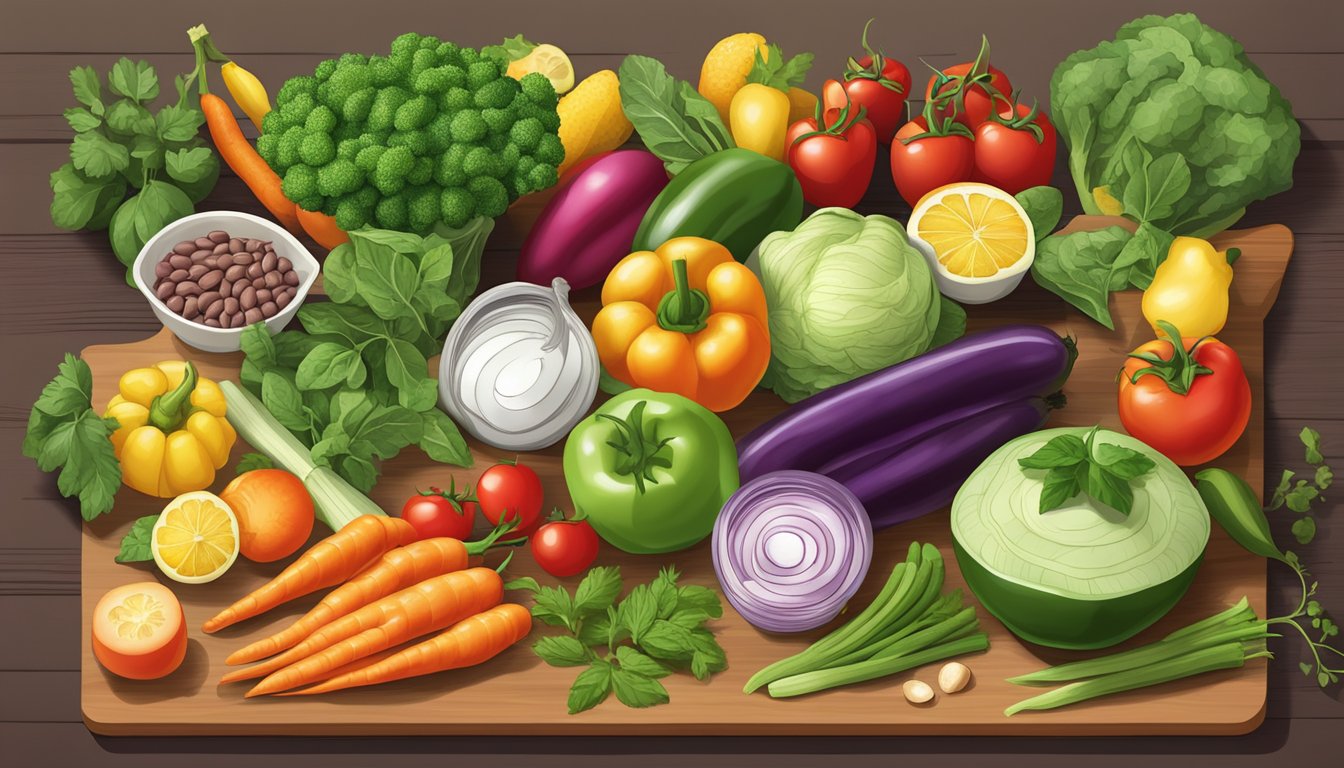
(210, 275)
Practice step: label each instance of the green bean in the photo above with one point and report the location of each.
(1225, 656)
(820, 680)
(945, 607)
(1239, 612)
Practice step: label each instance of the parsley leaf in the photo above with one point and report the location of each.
(591, 687)
(253, 461)
(65, 432)
(135, 544)
(636, 690)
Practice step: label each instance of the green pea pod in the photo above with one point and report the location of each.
(1234, 505)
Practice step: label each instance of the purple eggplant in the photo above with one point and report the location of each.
(590, 222)
(886, 408)
(924, 475)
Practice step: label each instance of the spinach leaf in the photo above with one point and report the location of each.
(676, 123)
(1080, 268)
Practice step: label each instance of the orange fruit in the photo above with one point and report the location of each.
(275, 513)
(139, 631)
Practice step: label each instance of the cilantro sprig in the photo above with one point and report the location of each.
(1076, 465)
(626, 647)
(64, 432)
(1299, 496)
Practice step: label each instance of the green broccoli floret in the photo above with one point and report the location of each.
(295, 86)
(542, 176)
(467, 126)
(497, 120)
(316, 149)
(526, 134)
(273, 123)
(383, 111)
(390, 213)
(422, 208)
(480, 161)
(508, 160)
(349, 59)
(538, 89)
(320, 120)
(390, 174)
(324, 70)
(266, 146)
(348, 149)
(287, 149)
(491, 197)
(350, 215)
(439, 133)
(449, 168)
(295, 111)
(421, 172)
(416, 141)
(339, 177)
(414, 114)
(367, 159)
(481, 72)
(455, 100)
(550, 151)
(366, 197)
(497, 141)
(456, 206)
(449, 53)
(432, 81)
(498, 93)
(525, 164)
(356, 107)
(468, 57)
(382, 72)
(422, 60)
(300, 183)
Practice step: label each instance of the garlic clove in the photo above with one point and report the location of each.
(917, 691)
(954, 677)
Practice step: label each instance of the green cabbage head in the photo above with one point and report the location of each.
(1171, 124)
(847, 295)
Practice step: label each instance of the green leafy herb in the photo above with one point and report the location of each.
(675, 122)
(253, 461)
(65, 432)
(626, 646)
(1083, 269)
(1301, 495)
(1044, 207)
(1075, 466)
(135, 544)
(512, 49)
(778, 72)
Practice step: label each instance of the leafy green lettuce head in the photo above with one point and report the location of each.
(1173, 86)
(847, 295)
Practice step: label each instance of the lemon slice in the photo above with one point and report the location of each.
(195, 539)
(549, 61)
(978, 239)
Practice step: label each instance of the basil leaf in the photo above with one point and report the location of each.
(561, 651)
(143, 215)
(671, 118)
(1109, 489)
(1059, 487)
(591, 687)
(638, 611)
(1061, 451)
(79, 203)
(696, 597)
(636, 690)
(1154, 193)
(135, 546)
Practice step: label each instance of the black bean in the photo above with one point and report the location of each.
(205, 243)
(219, 236)
(188, 288)
(213, 322)
(220, 249)
(175, 303)
(269, 261)
(165, 289)
(263, 295)
(291, 278)
(197, 270)
(185, 248)
(191, 308)
(269, 309)
(214, 308)
(178, 275)
(248, 299)
(237, 321)
(243, 258)
(211, 280)
(253, 315)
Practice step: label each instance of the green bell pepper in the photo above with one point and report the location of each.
(651, 470)
(734, 197)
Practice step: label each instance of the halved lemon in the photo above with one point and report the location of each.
(549, 61)
(195, 539)
(978, 239)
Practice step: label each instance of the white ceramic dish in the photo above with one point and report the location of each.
(243, 225)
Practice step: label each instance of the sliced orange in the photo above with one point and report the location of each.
(978, 238)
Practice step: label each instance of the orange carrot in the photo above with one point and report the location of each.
(429, 606)
(396, 570)
(321, 227)
(238, 152)
(328, 563)
(469, 642)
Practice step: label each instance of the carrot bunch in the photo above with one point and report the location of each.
(395, 590)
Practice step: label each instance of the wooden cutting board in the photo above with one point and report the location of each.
(518, 694)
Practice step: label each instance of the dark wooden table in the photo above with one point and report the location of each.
(63, 291)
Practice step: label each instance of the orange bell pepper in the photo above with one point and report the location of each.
(686, 318)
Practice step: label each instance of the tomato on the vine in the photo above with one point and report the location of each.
(923, 160)
(1015, 149)
(969, 92)
(510, 491)
(1191, 401)
(434, 513)
(563, 547)
(833, 161)
(880, 85)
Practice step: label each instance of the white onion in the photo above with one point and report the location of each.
(519, 369)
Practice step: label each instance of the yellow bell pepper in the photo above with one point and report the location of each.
(171, 434)
(1189, 288)
(759, 119)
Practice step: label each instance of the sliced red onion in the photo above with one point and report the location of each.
(790, 549)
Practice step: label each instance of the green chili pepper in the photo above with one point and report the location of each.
(1233, 504)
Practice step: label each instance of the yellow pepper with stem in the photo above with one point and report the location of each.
(247, 91)
(1189, 288)
(172, 432)
(761, 111)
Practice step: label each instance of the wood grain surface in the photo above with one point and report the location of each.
(61, 292)
(480, 700)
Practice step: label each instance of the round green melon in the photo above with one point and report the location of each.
(1083, 576)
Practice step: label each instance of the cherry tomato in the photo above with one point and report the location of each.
(434, 513)
(510, 492)
(564, 548)
(925, 164)
(1193, 405)
(834, 162)
(974, 89)
(1011, 155)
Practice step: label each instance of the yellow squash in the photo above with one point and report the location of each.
(1189, 288)
(172, 434)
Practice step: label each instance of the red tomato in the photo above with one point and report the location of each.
(510, 492)
(975, 103)
(434, 513)
(564, 548)
(881, 95)
(833, 163)
(1197, 415)
(927, 163)
(1008, 153)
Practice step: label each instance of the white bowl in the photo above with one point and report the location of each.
(975, 290)
(240, 225)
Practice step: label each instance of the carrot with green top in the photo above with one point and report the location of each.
(471, 641)
(396, 570)
(327, 563)
(429, 606)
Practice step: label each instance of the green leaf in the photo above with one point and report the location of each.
(79, 203)
(1311, 441)
(663, 589)
(258, 345)
(1322, 679)
(328, 365)
(1314, 608)
(1138, 260)
(595, 630)
(406, 370)
(338, 275)
(357, 325)
(591, 687)
(71, 392)
(554, 606)
(134, 80)
(87, 86)
(512, 49)
(189, 165)
(81, 119)
(1078, 268)
(388, 429)
(1324, 477)
(175, 124)
(1155, 193)
(638, 611)
(635, 690)
(1299, 499)
(126, 117)
(1281, 490)
(284, 402)
(1304, 530)
(357, 471)
(1044, 206)
(249, 462)
(522, 583)
(951, 323)
(598, 590)
(778, 72)
(135, 544)
(90, 468)
(667, 641)
(1061, 451)
(1305, 667)
(1126, 463)
(698, 598)
(442, 441)
(97, 156)
(65, 432)
(143, 215)
(632, 660)
(436, 266)
(387, 280)
(1108, 488)
(561, 651)
(677, 124)
(1058, 488)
